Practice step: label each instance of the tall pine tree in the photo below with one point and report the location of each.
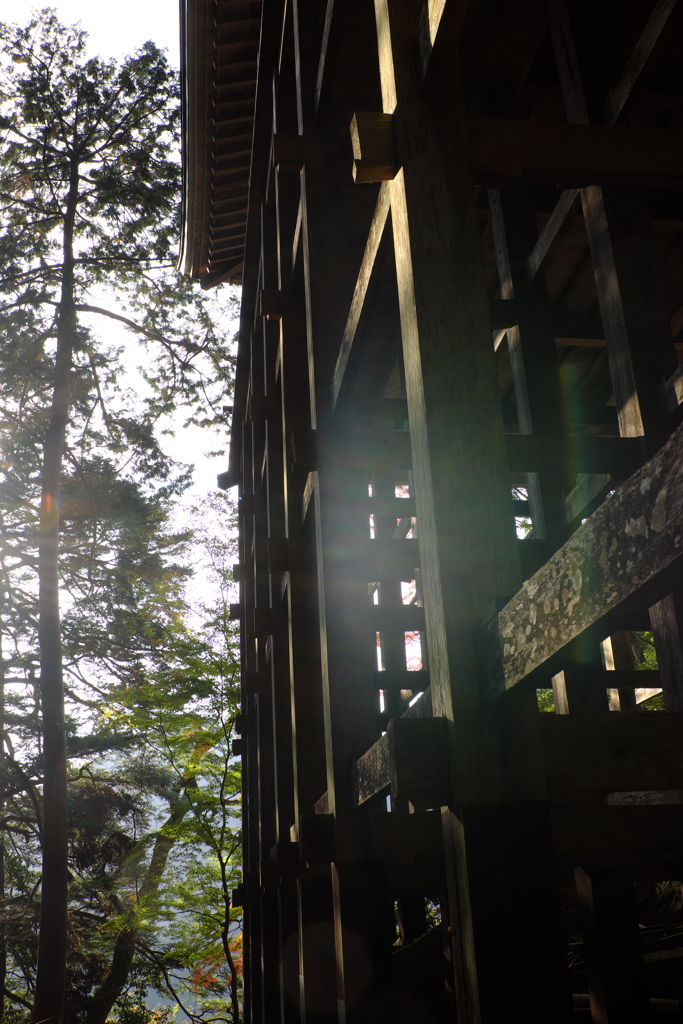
(89, 186)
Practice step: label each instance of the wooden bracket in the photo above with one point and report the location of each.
(239, 572)
(235, 612)
(374, 153)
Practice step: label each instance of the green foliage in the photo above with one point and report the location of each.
(152, 685)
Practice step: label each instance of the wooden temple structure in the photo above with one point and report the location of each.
(458, 229)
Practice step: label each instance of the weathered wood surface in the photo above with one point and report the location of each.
(574, 155)
(375, 235)
(411, 759)
(614, 752)
(630, 549)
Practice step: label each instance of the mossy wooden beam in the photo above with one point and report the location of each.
(630, 552)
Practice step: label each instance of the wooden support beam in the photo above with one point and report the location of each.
(379, 221)
(629, 551)
(613, 752)
(574, 155)
(411, 759)
(553, 233)
(638, 835)
(619, 456)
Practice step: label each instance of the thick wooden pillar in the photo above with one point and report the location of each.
(467, 543)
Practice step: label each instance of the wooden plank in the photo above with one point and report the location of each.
(627, 552)
(575, 155)
(379, 221)
(614, 752)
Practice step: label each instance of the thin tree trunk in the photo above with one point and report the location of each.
(3, 937)
(102, 1002)
(52, 942)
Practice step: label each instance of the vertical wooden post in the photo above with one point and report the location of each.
(612, 944)
(467, 547)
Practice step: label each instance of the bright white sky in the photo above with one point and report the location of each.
(115, 28)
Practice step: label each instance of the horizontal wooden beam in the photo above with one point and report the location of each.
(575, 155)
(628, 553)
(414, 681)
(614, 752)
(619, 835)
(411, 759)
(585, 453)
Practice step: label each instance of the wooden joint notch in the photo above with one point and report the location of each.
(238, 895)
(374, 152)
(237, 748)
(317, 837)
(240, 723)
(269, 304)
(412, 760)
(239, 572)
(235, 612)
(288, 152)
